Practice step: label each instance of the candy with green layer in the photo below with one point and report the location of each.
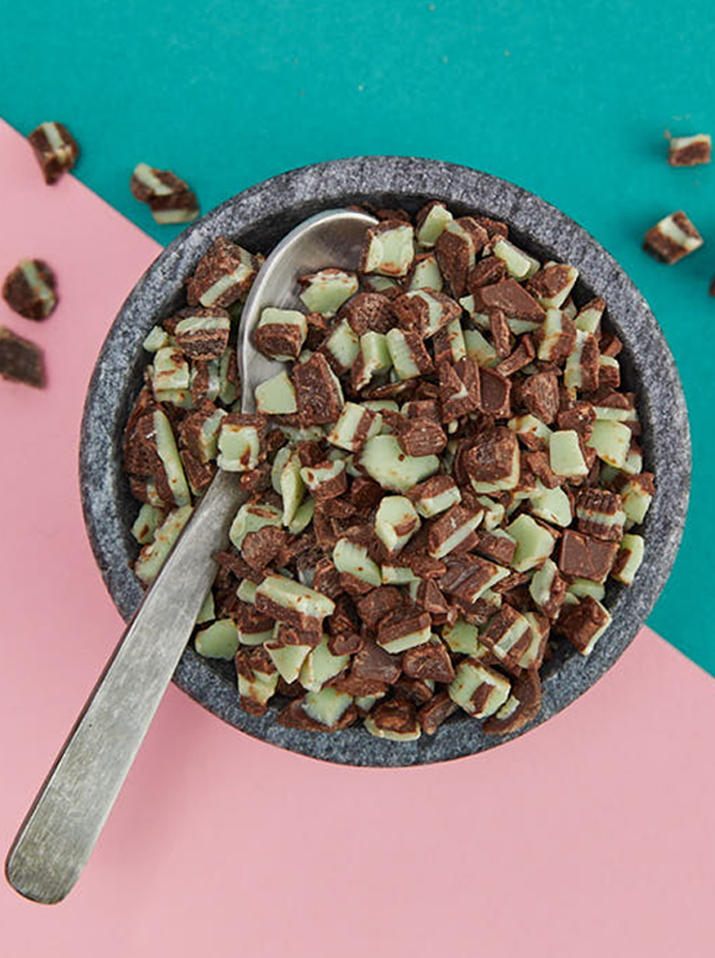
(218, 641)
(385, 462)
(325, 292)
(152, 556)
(396, 521)
(388, 249)
(276, 396)
(534, 542)
(565, 455)
(478, 689)
(353, 559)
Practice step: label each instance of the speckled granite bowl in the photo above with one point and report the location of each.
(257, 219)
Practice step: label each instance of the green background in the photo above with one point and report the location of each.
(570, 100)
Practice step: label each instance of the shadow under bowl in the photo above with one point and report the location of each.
(257, 219)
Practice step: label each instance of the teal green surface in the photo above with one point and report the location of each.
(570, 100)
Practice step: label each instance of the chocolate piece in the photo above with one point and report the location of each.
(425, 311)
(494, 458)
(511, 298)
(202, 333)
(318, 391)
(223, 275)
(552, 284)
(488, 270)
(435, 712)
(508, 636)
(367, 312)
(373, 607)
(280, 333)
(408, 353)
(327, 479)
(430, 662)
(434, 495)
(586, 557)
(548, 589)
(403, 629)
(416, 691)
(198, 474)
(540, 395)
(583, 624)
(522, 356)
(497, 546)
(421, 437)
(452, 529)
(672, 238)
(21, 361)
(55, 149)
(387, 248)
(478, 689)
(260, 548)
(372, 670)
(579, 417)
(600, 514)
(522, 706)
(31, 289)
(395, 720)
(495, 393)
(501, 335)
(459, 388)
(555, 337)
(295, 604)
(170, 199)
(689, 150)
(468, 577)
(456, 249)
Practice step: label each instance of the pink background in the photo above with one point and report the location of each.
(591, 835)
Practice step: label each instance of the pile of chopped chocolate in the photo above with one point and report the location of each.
(441, 482)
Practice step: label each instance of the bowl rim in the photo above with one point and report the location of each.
(544, 226)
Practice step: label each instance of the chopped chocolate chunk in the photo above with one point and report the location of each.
(494, 456)
(373, 607)
(508, 635)
(366, 312)
(522, 706)
(552, 284)
(395, 719)
(579, 417)
(345, 643)
(387, 248)
(201, 333)
(31, 289)
(586, 557)
(421, 437)
(416, 691)
(487, 271)
(403, 628)
(540, 396)
(456, 248)
(520, 357)
(497, 546)
(223, 275)
(583, 624)
(495, 391)
(295, 716)
(511, 298)
(170, 199)
(430, 661)
(672, 238)
(55, 149)
(689, 150)
(459, 388)
(600, 514)
(501, 335)
(20, 360)
(425, 311)
(260, 548)
(468, 577)
(435, 712)
(318, 391)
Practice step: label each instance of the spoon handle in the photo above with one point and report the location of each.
(59, 832)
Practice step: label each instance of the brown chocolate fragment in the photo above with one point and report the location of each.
(492, 457)
(455, 254)
(526, 689)
(445, 526)
(435, 712)
(30, 289)
(499, 549)
(416, 691)
(466, 575)
(594, 507)
(345, 643)
(505, 619)
(690, 150)
(390, 214)
(222, 259)
(413, 311)
(579, 623)
(199, 474)
(401, 622)
(260, 548)
(421, 437)
(521, 356)
(371, 672)
(586, 557)
(459, 388)
(203, 344)
(501, 334)
(55, 149)
(317, 391)
(430, 661)
(365, 494)
(511, 298)
(295, 716)
(661, 244)
(278, 339)
(494, 228)
(579, 417)
(540, 396)
(538, 464)
(367, 312)
(379, 603)
(397, 715)
(495, 391)
(550, 281)
(21, 361)
(491, 269)
(173, 194)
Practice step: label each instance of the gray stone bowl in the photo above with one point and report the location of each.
(257, 219)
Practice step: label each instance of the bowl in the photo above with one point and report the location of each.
(257, 218)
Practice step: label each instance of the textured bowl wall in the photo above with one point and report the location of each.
(257, 219)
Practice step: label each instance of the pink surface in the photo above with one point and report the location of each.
(592, 835)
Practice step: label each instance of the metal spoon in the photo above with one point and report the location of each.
(64, 822)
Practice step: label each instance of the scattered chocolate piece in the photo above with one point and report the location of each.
(31, 289)
(55, 149)
(20, 360)
(586, 557)
(169, 198)
(583, 624)
(522, 706)
(672, 238)
(689, 150)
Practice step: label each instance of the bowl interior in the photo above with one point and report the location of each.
(257, 220)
